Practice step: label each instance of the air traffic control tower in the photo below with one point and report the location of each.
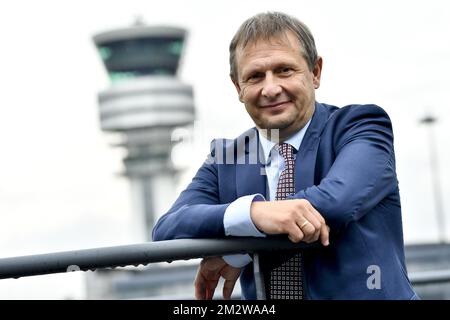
(144, 104)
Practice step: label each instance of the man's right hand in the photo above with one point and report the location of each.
(209, 272)
(297, 218)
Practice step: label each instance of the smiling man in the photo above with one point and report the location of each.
(327, 175)
(276, 84)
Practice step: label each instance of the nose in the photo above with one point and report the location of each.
(271, 87)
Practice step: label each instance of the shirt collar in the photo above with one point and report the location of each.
(295, 141)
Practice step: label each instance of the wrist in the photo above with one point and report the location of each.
(255, 210)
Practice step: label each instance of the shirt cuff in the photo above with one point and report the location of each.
(238, 260)
(237, 221)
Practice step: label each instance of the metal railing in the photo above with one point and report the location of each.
(137, 254)
(167, 251)
(429, 277)
(152, 252)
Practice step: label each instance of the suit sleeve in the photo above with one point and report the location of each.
(197, 212)
(363, 172)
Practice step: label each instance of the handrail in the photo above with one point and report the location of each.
(163, 251)
(429, 277)
(137, 254)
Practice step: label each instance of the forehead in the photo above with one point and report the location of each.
(283, 46)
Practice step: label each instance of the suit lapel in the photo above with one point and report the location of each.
(250, 177)
(305, 162)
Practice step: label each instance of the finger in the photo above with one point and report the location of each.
(308, 230)
(317, 214)
(309, 224)
(228, 287)
(311, 217)
(209, 293)
(207, 278)
(211, 286)
(318, 222)
(315, 236)
(200, 288)
(230, 274)
(295, 234)
(325, 235)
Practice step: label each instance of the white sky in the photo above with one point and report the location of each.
(59, 188)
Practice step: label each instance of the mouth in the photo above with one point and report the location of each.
(275, 105)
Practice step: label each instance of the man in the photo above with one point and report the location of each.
(327, 175)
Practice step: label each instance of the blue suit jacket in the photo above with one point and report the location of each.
(346, 169)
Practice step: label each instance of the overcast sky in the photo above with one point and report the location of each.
(59, 188)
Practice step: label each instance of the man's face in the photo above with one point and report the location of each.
(276, 85)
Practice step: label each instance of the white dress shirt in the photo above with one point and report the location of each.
(237, 220)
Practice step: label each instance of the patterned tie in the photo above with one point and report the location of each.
(285, 278)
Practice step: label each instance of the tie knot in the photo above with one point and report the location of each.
(286, 150)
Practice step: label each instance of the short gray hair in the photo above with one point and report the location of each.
(264, 26)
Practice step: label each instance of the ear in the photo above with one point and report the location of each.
(317, 72)
(238, 88)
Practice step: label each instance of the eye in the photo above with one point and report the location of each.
(254, 77)
(285, 70)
